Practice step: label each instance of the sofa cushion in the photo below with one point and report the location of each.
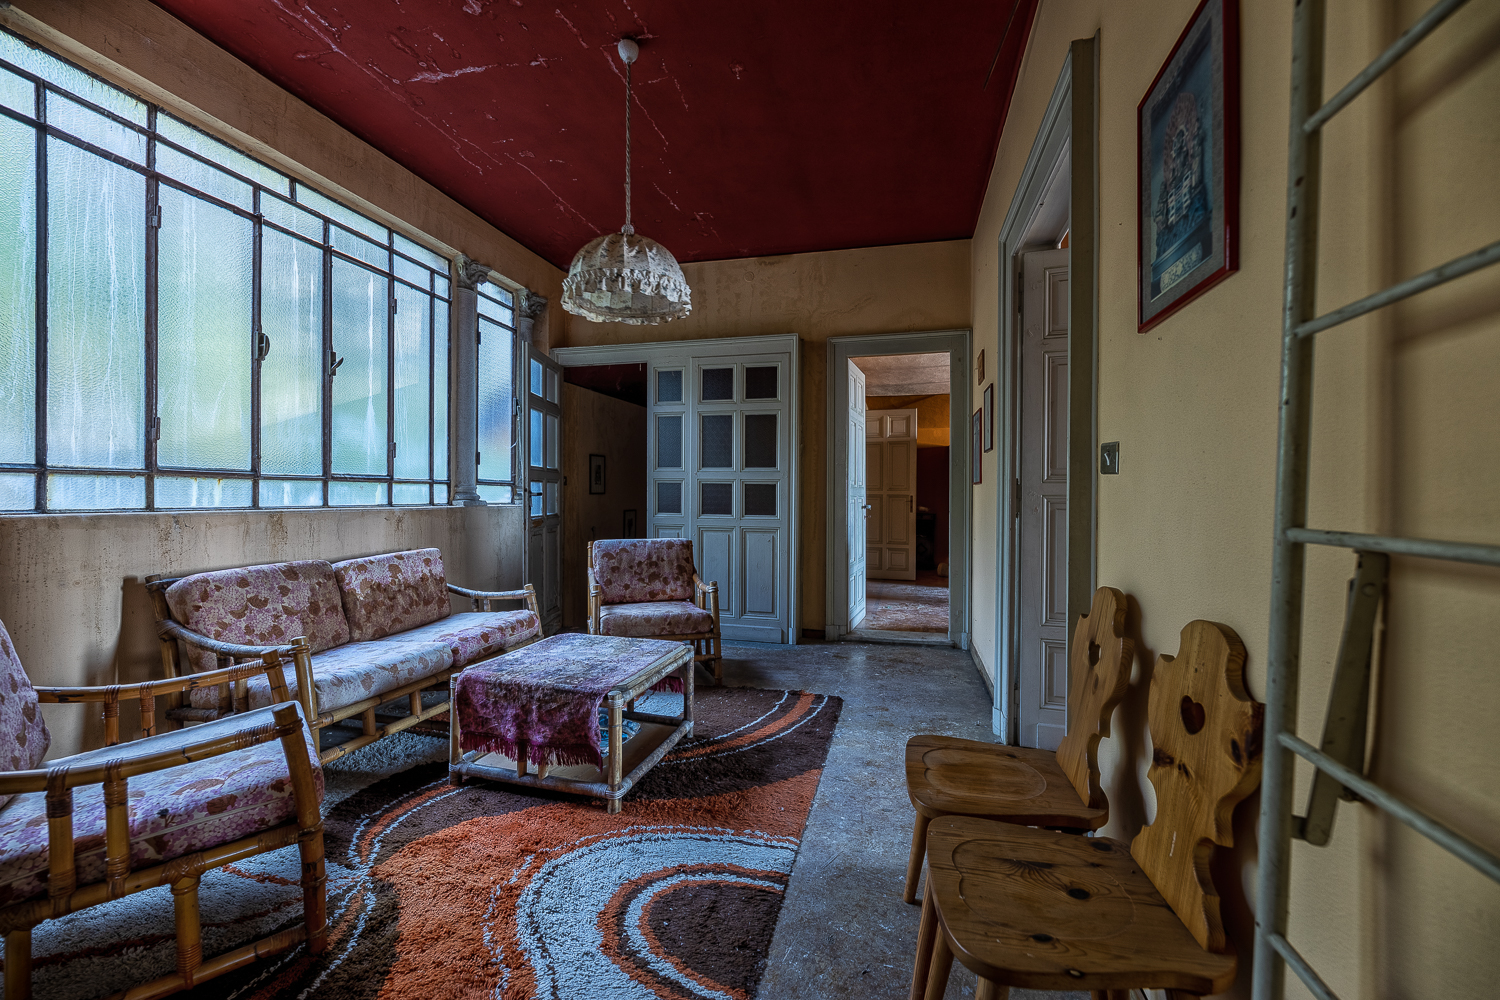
(392, 593)
(23, 735)
(173, 812)
(654, 618)
(477, 635)
(644, 569)
(261, 606)
(358, 670)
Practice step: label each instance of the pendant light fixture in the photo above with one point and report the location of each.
(623, 277)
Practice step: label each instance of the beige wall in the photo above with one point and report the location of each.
(933, 422)
(599, 425)
(898, 289)
(1405, 442)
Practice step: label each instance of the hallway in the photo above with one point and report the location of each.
(901, 606)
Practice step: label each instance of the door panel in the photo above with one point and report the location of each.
(891, 446)
(1043, 449)
(543, 563)
(856, 521)
(760, 573)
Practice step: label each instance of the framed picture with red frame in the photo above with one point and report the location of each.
(1188, 166)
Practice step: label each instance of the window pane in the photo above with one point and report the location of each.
(669, 498)
(552, 383)
(669, 441)
(355, 494)
(718, 499)
(205, 260)
(371, 253)
(760, 440)
(440, 493)
(410, 493)
(536, 499)
(440, 394)
(17, 94)
(17, 296)
(535, 443)
(96, 293)
(421, 254)
(489, 494)
(718, 441)
(17, 491)
(290, 493)
(413, 383)
(496, 406)
(554, 440)
(718, 384)
(18, 52)
(414, 273)
(536, 377)
(760, 382)
(291, 217)
(360, 329)
(200, 175)
(339, 213)
(669, 387)
(552, 492)
(291, 376)
(96, 492)
(181, 491)
(496, 303)
(760, 499)
(440, 284)
(217, 152)
(90, 126)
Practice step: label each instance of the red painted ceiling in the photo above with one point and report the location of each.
(760, 126)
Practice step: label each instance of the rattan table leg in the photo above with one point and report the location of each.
(616, 749)
(18, 964)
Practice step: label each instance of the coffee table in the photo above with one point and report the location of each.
(509, 697)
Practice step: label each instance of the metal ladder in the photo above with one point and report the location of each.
(1339, 761)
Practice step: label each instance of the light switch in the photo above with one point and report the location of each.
(1109, 458)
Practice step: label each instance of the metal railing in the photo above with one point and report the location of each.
(1339, 762)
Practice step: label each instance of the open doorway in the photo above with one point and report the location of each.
(906, 441)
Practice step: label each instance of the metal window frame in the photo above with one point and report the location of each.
(151, 468)
(1341, 760)
(518, 372)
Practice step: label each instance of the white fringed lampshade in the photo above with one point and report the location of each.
(626, 278)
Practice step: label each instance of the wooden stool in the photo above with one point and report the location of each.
(1056, 911)
(946, 776)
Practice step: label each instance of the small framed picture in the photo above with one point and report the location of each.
(596, 473)
(989, 417)
(628, 530)
(976, 448)
(979, 368)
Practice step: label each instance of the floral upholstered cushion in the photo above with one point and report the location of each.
(477, 635)
(23, 735)
(654, 618)
(358, 670)
(392, 593)
(173, 812)
(261, 606)
(644, 569)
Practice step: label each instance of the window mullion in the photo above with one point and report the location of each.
(255, 351)
(390, 378)
(153, 233)
(327, 354)
(40, 502)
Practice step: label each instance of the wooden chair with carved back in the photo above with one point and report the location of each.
(947, 776)
(1055, 911)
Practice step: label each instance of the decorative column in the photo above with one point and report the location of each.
(465, 425)
(529, 308)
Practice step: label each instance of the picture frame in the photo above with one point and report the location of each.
(979, 369)
(629, 527)
(989, 417)
(976, 448)
(1188, 166)
(596, 474)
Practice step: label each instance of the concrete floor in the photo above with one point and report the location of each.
(844, 930)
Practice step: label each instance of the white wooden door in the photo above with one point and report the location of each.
(544, 489)
(1043, 430)
(891, 477)
(859, 507)
(720, 446)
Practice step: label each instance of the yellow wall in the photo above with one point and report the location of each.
(1406, 442)
(933, 422)
(897, 289)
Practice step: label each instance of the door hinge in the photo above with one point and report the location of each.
(156, 428)
(153, 218)
(393, 451)
(1017, 499)
(1020, 291)
(334, 361)
(262, 345)
(478, 336)
(478, 458)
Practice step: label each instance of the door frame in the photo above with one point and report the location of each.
(1069, 129)
(786, 343)
(956, 343)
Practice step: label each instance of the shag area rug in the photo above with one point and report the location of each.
(907, 607)
(483, 891)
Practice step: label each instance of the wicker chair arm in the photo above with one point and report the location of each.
(492, 595)
(704, 588)
(150, 689)
(174, 630)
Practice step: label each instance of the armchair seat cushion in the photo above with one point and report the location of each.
(173, 812)
(654, 618)
(478, 635)
(356, 671)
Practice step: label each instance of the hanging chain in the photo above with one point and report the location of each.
(628, 227)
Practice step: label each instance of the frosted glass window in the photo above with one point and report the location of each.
(18, 295)
(554, 440)
(408, 494)
(96, 492)
(536, 499)
(33, 60)
(291, 375)
(360, 330)
(496, 402)
(373, 254)
(416, 274)
(669, 387)
(205, 263)
(489, 493)
(760, 440)
(96, 307)
(413, 383)
(718, 384)
(440, 493)
(760, 499)
(185, 492)
(217, 152)
(420, 254)
(536, 377)
(338, 213)
(440, 284)
(17, 491)
(669, 442)
(552, 494)
(440, 393)
(289, 216)
(209, 180)
(343, 494)
(718, 499)
(552, 385)
(669, 498)
(291, 493)
(760, 382)
(17, 93)
(92, 127)
(718, 440)
(497, 304)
